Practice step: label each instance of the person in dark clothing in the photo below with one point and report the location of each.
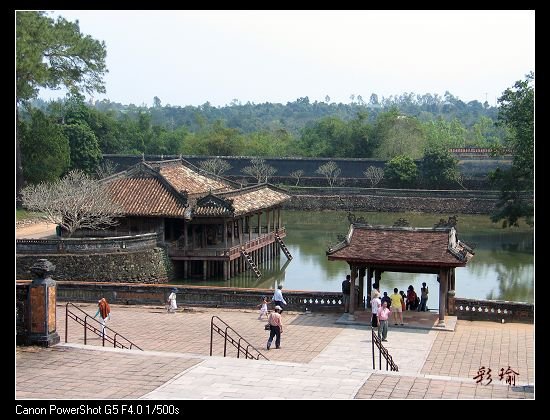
(346, 286)
(386, 298)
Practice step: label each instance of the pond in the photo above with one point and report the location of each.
(502, 268)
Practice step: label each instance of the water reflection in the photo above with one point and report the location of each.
(501, 269)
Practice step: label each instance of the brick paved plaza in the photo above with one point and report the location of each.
(319, 359)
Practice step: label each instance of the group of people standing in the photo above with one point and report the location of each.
(396, 304)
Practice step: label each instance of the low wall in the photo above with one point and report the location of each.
(142, 266)
(493, 310)
(392, 204)
(226, 297)
(86, 245)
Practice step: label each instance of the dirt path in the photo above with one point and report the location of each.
(35, 231)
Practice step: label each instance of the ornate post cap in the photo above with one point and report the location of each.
(42, 268)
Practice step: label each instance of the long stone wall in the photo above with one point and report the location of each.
(142, 266)
(392, 204)
(475, 170)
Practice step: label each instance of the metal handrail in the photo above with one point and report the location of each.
(227, 337)
(382, 352)
(99, 331)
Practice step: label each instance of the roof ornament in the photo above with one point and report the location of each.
(143, 157)
(451, 222)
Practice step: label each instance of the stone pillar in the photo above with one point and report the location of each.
(41, 306)
(443, 274)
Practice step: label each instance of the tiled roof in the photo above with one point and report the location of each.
(145, 197)
(239, 202)
(248, 201)
(183, 178)
(397, 246)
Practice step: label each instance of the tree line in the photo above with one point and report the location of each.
(56, 137)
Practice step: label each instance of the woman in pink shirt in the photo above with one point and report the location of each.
(383, 315)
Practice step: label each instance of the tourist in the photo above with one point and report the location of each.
(275, 327)
(278, 299)
(375, 303)
(423, 297)
(346, 285)
(386, 299)
(104, 310)
(396, 307)
(263, 308)
(403, 299)
(412, 299)
(172, 305)
(383, 316)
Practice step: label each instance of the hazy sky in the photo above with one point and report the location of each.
(190, 57)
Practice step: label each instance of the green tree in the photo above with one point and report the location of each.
(401, 171)
(516, 113)
(52, 53)
(85, 153)
(397, 134)
(44, 148)
(439, 168)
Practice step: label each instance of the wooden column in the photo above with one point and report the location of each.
(453, 270)
(204, 265)
(185, 236)
(259, 224)
(443, 279)
(225, 270)
(267, 217)
(351, 314)
(185, 269)
(361, 286)
(224, 233)
(377, 276)
(240, 225)
(369, 286)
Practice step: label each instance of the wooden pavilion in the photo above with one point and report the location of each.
(372, 250)
(209, 225)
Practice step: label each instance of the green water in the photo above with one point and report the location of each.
(502, 268)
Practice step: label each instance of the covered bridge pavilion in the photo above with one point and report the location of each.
(371, 250)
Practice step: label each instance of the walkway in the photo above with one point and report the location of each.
(318, 360)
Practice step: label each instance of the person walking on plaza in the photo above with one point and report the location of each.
(396, 306)
(423, 297)
(172, 305)
(263, 308)
(383, 316)
(346, 285)
(375, 304)
(275, 327)
(104, 310)
(278, 299)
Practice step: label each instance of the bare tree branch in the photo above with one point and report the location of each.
(216, 166)
(75, 202)
(374, 175)
(259, 170)
(297, 175)
(330, 171)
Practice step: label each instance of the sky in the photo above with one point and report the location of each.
(194, 57)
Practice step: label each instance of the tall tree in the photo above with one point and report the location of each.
(44, 147)
(52, 53)
(517, 114)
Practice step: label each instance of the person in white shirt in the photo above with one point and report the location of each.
(375, 303)
(172, 305)
(278, 299)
